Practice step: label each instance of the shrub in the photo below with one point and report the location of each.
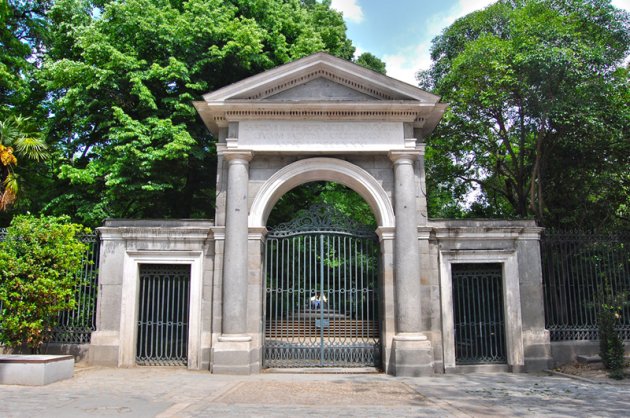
(39, 262)
(610, 306)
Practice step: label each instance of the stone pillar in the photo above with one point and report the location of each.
(231, 354)
(422, 198)
(412, 350)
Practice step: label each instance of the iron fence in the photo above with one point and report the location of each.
(576, 265)
(75, 326)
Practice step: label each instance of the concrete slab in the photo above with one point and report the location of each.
(34, 369)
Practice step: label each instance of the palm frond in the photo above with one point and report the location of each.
(31, 147)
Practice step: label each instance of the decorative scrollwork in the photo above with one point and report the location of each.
(321, 219)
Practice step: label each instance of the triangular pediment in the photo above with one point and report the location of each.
(320, 66)
(320, 87)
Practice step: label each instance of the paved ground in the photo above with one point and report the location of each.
(164, 392)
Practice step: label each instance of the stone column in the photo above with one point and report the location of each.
(235, 252)
(231, 354)
(412, 351)
(422, 198)
(406, 260)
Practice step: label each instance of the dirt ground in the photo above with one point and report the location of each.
(594, 372)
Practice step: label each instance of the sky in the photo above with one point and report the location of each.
(400, 31)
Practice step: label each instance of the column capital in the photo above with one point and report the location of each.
(404, 156)
(238, 155)
(385, 233)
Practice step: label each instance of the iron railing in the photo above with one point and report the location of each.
(75, 326)
(576, 266)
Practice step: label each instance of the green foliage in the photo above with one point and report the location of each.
(610, 306)
(121, 78)
(372, 62)
(21, 39)
(343, 199)
(538, 115)
(17, 138)
(39, 261)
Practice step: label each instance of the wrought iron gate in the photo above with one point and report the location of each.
(479, 314)
(321, 293)
(163, 315)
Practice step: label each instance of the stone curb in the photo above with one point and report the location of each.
(572, 376)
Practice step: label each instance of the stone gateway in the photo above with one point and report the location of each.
(448, 295)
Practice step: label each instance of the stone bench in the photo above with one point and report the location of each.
(35, 369)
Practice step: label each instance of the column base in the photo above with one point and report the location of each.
(412, 355)
(232, 355)
(537, 350)
(104, 349)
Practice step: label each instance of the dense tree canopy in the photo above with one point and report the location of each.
(22, 35)
(121, 78)
(538, 115)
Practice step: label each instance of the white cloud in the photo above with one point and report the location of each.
(350, 8)
(407, 61)
(621, 4)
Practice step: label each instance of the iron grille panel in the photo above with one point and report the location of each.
(321, 297)
(163, 315)
(575, 264)
(478, 313)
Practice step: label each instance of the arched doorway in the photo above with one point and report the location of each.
(360, 340)
(321, 292)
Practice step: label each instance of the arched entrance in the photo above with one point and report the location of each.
(322, 169)
(314, 253)
(321, 292)
(321, 118)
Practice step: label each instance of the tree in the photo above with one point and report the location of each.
(21, 43)
(16, 139)
(342, 198)
(372, 62)
(121, 77)
(39, 261)
(538, 116)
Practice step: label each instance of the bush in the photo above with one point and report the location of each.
(39, 262)
(611, 349)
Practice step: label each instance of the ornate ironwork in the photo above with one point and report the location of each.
(321, 218)
(479, 314)
(163, 315)
(321, 306)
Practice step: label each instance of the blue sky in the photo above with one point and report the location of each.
(400, 31)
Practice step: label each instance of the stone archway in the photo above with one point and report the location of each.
(322, 169)
(321, 118)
